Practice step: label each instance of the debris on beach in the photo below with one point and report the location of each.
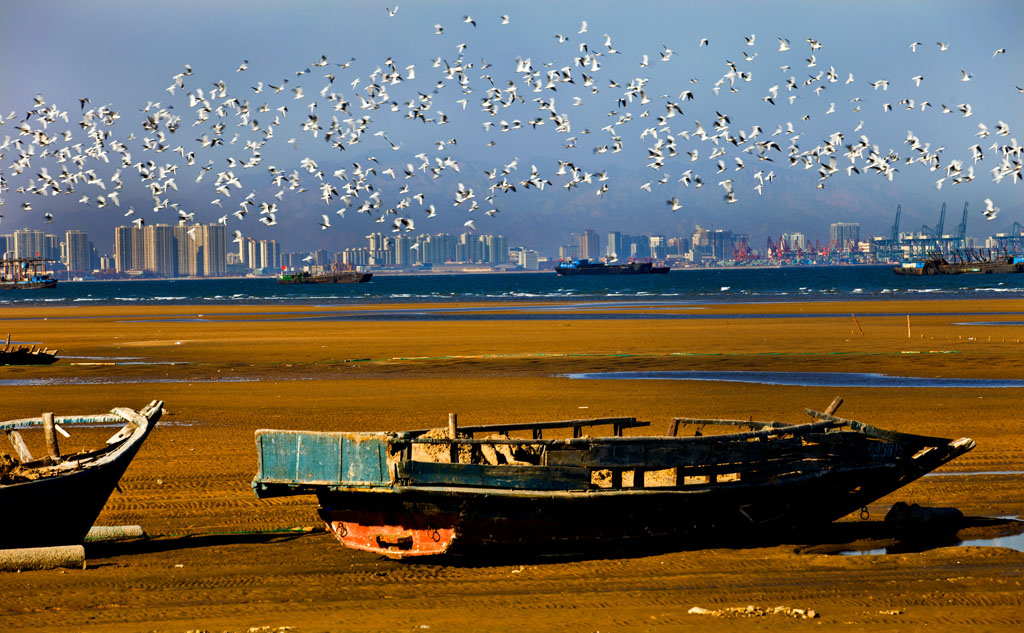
(751, 611)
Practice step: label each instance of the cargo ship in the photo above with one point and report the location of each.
(345, 276)
(587, 267)
(972, 263)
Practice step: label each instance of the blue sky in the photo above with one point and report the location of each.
(124, 55)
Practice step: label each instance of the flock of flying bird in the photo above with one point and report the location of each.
(207, 144)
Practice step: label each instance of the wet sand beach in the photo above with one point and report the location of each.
(218, 559)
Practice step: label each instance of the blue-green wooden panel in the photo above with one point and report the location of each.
(322, 458)
(277, 456)
(318, 458)
(364, 460)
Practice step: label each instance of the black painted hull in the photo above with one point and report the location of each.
(567, 523)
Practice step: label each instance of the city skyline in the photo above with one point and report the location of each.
(204, 251)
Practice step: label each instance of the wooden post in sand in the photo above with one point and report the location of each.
(453, 431)
(50, 433)
(908, 326)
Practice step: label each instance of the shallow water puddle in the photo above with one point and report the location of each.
(46, 382)
(977, 473)
(803, 379)
(1011, 541)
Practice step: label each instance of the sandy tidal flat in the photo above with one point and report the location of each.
(218, 559)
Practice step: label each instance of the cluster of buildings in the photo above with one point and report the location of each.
(204, 250)
(158, 250)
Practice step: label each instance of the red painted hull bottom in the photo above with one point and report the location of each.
(377, 533)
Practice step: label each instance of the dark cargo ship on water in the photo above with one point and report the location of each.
(587, 267)
(334, 276)
(970, 263)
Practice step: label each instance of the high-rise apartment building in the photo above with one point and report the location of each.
(590, 245)
(161, 251)
(30, 243)
(497, 249)
(77, 252)
(616, 247)
(189, 242)
(844, 234)
(268, 254)
(215, 260)
(403, 251)
(795, 241)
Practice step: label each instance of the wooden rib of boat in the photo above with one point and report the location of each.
(54, 500)
(462, 490)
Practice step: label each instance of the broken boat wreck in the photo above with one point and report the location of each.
(472, 488)
(55, 499)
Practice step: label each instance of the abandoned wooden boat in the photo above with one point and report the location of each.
(461, 489)
(54, 500)
(26, 354)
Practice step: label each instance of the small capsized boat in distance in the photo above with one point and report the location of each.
(470, 489)
(54, 500)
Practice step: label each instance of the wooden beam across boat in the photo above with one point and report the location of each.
(615, 423)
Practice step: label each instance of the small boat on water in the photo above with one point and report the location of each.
(26, 354)
(26, 274)
(334, 276)
(587, 267)
(470, 489)
(54, 500)
(971, 262)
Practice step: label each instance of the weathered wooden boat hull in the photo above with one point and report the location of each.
(59, 509)
(27, 357)
(590, 494)
(26, 354)
(431, 521)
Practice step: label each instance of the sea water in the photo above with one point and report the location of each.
(724, 285)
